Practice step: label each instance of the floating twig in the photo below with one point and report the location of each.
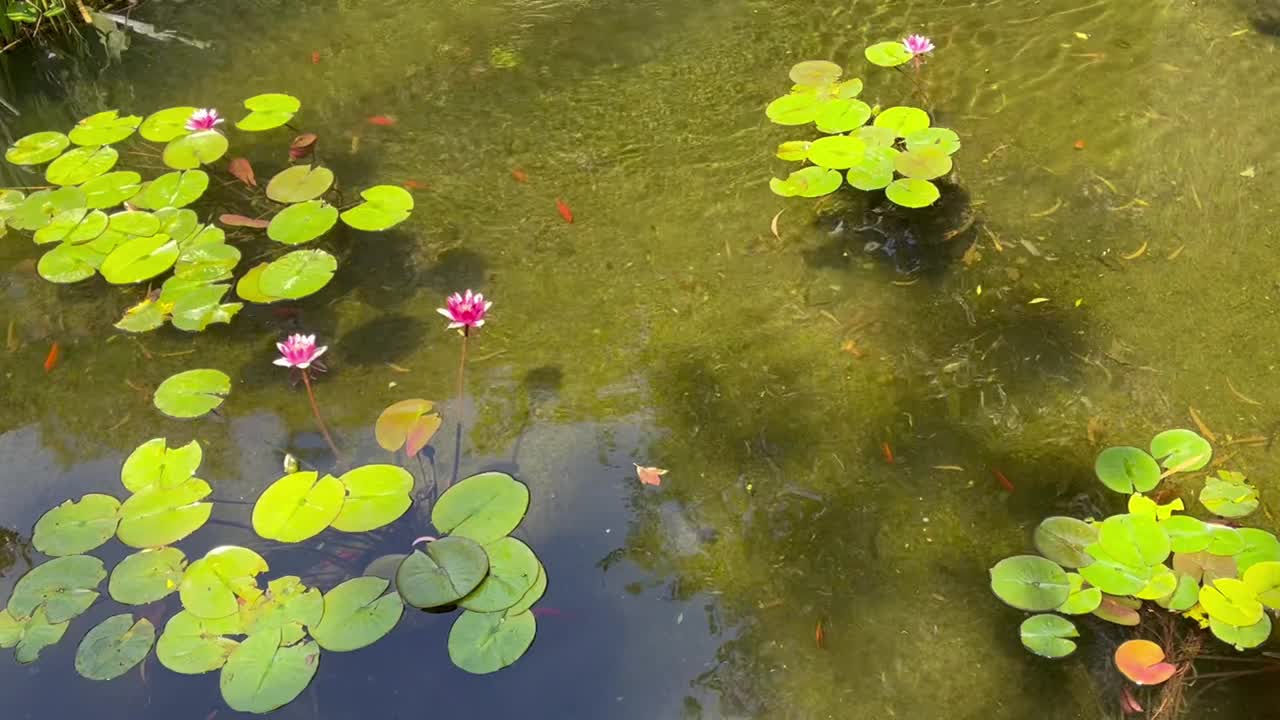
(1046, 213)
(1204, 429)
(1239, 394)
(1136, 253)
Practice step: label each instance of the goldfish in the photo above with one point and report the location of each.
(565, 212)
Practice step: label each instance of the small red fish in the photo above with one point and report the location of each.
(565, 212)
(887, 452)
(1004, 481)
(519, 175)
(413, 185)
(51, 361)
(820, 637)
(315, 57)
(649, 475)
(382, 120)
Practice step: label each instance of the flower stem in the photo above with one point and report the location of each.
(315, 410)
(462, 364)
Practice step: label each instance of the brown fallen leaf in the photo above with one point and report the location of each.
(1204, 429)
(774, 225)
(971, 255)
(241, 169)
(302, 146)
(233, 220)
(649, 475)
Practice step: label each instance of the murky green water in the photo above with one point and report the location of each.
(667, 326)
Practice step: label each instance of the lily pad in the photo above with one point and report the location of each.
(1264, 580)
(165, 125)
(1181, 450)
(808, 182)
(513, 570)
(104, 128)
(443, 573)
(1224, 540)
(408, 424)
(1112, 575)
(1082, 600)
(68, 264)
(64, 587)
(1259, 546)
(1184, 597)
(1119, 610)
(793, 150)
(1186, 534)
(797, 108)
(939, 138)
(903, 120)
(1163, 582)
(208, 262)
(1063, 540)
(139, 259)
(108, 191)
(114, 647)
(1142, 661)
(888, 54)
(40, 207)
(192, 393)
(1242, 638)
(815, 73)
(161, 516)
(838, 152)
(875, 137)
(1228, 495)
(377, 495)
(177, 224)
(481, 643)
(297, 274)
(1046, 635)
(912, 192)
(532, 595)
(357, 614)
(37, 148)
(262, 675)
(211, 585)
(874, 171)
(81, 165)
(1202, 566)
(147, 576)
(79, 225)
(384, 206)
(298, 506)
(1127, 470)
(841, 115)
(925, 163)
(299, 184)
(302, 222)
(154, 463)
(269, 111)
(1231, 601)
(191, 646)
(249, 287)
(1134, 540)
(1030, 582)
(191, 151)
(173, 190)
(73, 528)
(37, 634)
(287, 606)
(482, 507)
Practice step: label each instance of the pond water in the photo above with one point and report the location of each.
(803, 390)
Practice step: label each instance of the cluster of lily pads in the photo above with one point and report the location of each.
(892, 149)
(267, 643)
(100, 219)
(1223, 577)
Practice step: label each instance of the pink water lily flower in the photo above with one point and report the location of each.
(299, 351)
(203, 119)
(465, 311)
(918, 44)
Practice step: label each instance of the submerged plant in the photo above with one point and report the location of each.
(300, 352)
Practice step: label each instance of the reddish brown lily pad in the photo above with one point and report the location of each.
(1142, 661)
(408, 424)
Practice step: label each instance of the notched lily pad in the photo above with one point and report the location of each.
(77, 527)
(114, 647)
(192, 393)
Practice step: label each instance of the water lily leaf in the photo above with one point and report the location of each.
(815, 73)
(139, 259)
(10, 200)
(207, 262)
(912, 192)
(848, 89)
(532, 595)
(377, 495)
(875, 137)
(147, 576)
(1142, 661)
(81, 164)
(513, 569)
(64, 587)
(888, 54)
(384, 206)
(107, 191)
(176, 189)
(903, 120)
(1140, 504)
(842, 115)
(269, 111)
(177, 224)
(1163, 583)
(298, 506)
(1224, 540)
(204, 235)
(939, 138)
(249, 287)
(165, 125)
(408, 420)
(1113, 576)
(1181, 450)
(161, 516)
(302, 222)
(794, 150)
(154, 463)
(1186, 534)
(191, 151)
(1264, 580)
(104, 128)
(925, 163)
(73, 528)
(1184, 597)
(299, 184)
(37, 634)
(1030, 582)
(443, 573)
(262, 675)
(812, 181)
(1134, 540)
(875, 170)
(68, 264)
(357, 614)
(114, 646)
(212, 584)
(1119, 610)
(1228, 495)
(192, 393)
(1046, 635)
(1127, 469)
(1201, 566)
(838, 152)
(1231, 601)
(297, 274)
(72, 226)
(40, 207)
(797, 108)
(481, 643)
(192, 646)
(1082, 600)
(146, 316)
(198, 308)
(10, 630)
(1063, 540)
(482, 507)
(287, 606)
(37, 148)
(1243, 638)
(1259, 546)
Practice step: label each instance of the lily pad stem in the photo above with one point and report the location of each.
(315, 410)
